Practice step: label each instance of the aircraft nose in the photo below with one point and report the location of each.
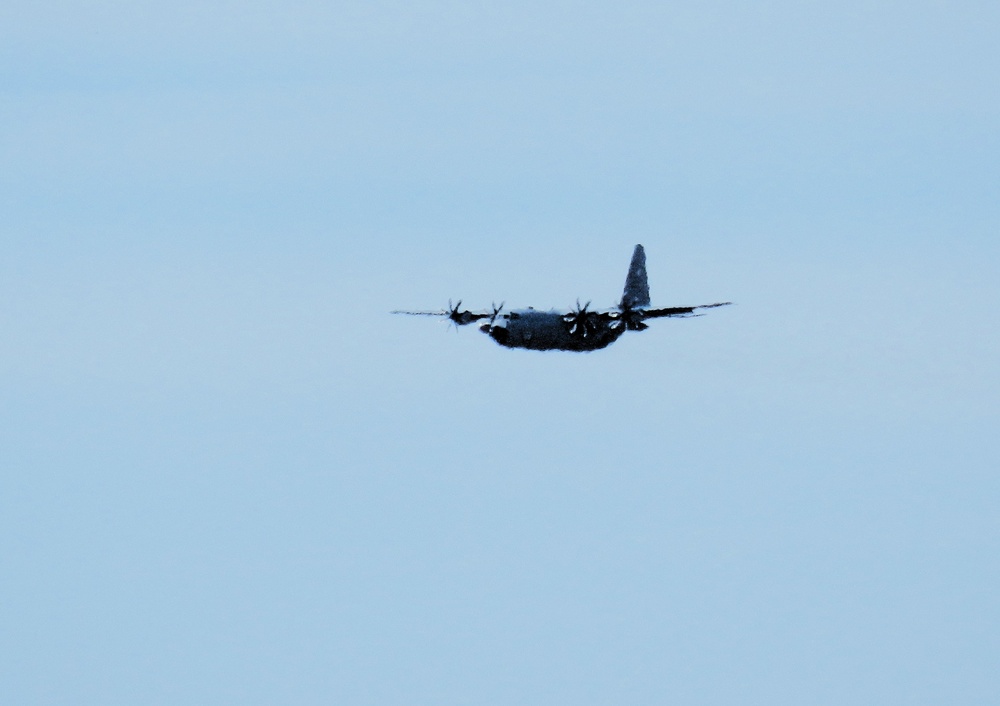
(497, 333)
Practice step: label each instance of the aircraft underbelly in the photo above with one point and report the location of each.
(549, 331)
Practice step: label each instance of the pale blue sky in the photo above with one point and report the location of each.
(227, 475)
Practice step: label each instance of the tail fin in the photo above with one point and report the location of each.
(636, 292)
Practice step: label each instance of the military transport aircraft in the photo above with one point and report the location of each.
(577, 330)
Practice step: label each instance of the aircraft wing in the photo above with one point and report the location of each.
(679, 311)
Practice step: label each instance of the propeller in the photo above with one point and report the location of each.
(581, 322)
(454, 315)
(630, 318)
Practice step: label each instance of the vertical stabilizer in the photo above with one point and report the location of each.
(636, 293)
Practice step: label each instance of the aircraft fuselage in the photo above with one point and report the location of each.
(550, 331)
(576, 330)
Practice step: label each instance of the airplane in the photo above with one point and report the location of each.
(579, 329)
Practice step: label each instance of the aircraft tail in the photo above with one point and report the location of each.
(636, 292)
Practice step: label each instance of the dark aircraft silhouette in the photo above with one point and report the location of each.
(576, 330)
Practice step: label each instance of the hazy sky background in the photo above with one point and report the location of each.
(227, 475)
